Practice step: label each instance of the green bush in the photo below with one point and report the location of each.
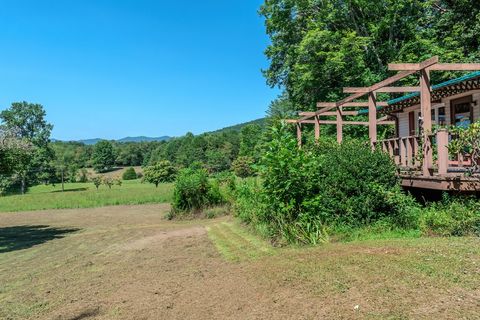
(129, 174)
(307, 191)
(242, 166)
(452, 217)
(194, 191)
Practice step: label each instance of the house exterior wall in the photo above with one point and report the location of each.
(403, 117)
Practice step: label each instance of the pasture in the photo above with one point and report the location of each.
(85, 195)
(127, 262)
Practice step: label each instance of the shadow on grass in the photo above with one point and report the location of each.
(71, 190)
(24, 237)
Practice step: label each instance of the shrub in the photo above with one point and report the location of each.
(193, 191)
(129, 174)
(162, 171)
(242, 166)
(305, 190)
(452, 217)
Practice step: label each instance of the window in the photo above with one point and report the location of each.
(442, 118)
(462, 112)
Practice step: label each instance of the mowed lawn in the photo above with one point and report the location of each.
(85, 195)
(127, 262)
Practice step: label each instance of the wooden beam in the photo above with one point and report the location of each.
(357, 104)
(317, 129)
(329, 113)
(436, 67)
(455, 67)
(339, 125)
(425, 64)
(345, 123)
(426, 108)
(372, 119)
(413, 66)
(299, 135)
(390, 123)
(383, 90)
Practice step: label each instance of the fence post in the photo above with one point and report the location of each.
(442, 143)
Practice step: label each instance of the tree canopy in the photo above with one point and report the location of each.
(320, 46)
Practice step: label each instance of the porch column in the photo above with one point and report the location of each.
(372, 119)
(317, 128)
(299, 134)
(339, 125)
(426, 107)
(442, 144)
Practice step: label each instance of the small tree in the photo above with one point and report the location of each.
(162, 171)
(97, 181)
(108, 181)
(242, 166)
(129, 174)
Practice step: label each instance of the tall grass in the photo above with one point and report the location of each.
(85, 195)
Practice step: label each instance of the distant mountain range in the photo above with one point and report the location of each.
(237, 127)
(126, 139)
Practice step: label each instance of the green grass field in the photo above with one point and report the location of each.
(85, 195)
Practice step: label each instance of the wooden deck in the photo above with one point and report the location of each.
(446, 173)
(450, 182)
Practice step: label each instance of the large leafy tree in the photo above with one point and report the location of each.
(319, 46)
(162, 171)
(103, 156)
(28, 122)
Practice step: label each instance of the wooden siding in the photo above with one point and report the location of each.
(403, 125)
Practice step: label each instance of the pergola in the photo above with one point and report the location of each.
(423, 93)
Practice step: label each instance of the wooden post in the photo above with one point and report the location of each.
(442, 143)
(339, 125)
(410, 147)
(426, 107)
(403, 151)
(299, 134)
(372, 119)
(317, 128)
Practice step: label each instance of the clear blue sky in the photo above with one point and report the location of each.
(114, 68)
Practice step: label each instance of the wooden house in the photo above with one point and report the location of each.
(420, 115)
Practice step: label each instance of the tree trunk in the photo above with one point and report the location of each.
(22, 187)
(63, 187)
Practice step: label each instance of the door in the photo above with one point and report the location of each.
(462, 112)
(411, 123)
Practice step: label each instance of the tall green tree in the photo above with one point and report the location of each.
(250, 135)
(320, 46)
(28, 121)
(103, 157)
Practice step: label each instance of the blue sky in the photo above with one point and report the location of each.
(113, 68)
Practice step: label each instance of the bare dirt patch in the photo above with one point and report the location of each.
(127, 262)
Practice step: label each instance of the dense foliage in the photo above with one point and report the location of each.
(129, 174)
(160, 172)
(103, 157)
(305, 190)
(24, 125)
(452, 217)
(467, 141)
(195, 191)
(318, 47)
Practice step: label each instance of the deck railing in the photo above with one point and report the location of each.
(407, 152)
